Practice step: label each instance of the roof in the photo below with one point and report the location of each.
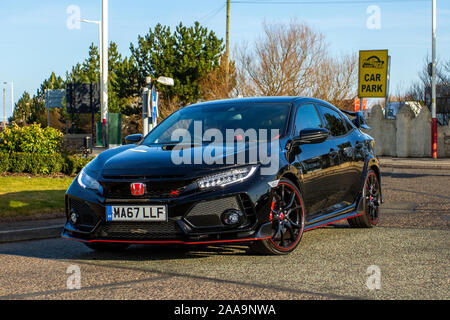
(254, 100)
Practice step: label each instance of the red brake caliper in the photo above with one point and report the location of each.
(271, 210)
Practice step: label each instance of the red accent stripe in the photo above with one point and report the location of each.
(165, 242)
(359, 214)
(277, 137)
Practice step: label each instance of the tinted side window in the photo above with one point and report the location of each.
(307, 117)
(333, 121)
(348, 123)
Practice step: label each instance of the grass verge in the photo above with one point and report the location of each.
(22, 196)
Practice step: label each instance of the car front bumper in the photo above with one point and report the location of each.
(192, 219)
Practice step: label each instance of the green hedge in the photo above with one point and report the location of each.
(4, 162)
(36, 150)
(36, 163)
(74, 164)
(30, 139)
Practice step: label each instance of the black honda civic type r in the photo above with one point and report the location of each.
(287, 165)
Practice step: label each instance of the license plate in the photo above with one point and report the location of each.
(136, 213)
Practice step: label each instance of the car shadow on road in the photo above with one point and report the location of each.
(63, 249)
(176, 252)
(160, 253)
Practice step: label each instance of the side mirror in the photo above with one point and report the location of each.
(134, 138)
(310, 136)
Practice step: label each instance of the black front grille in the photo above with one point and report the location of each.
(141, 177)
(138, 230)
(153, 190)
(207, 214)
(214, 207)
(86, 216)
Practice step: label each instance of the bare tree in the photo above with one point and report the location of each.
(282, 61)
(416, 90)
(444, 73)
(293, 60)
(217, 84)
(336, 79)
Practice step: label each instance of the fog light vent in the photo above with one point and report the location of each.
(73, 217)
(232, 217)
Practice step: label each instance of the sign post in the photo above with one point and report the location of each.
(154, 106)
(54, 99)
(373, 74)
(145, 108)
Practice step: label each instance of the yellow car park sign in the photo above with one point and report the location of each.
(373, 71)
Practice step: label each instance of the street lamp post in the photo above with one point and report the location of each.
(100, 54)
(103, 48)
(104, 74)
(99, 24)
(4, 106)
(433, 85)
(12, 95)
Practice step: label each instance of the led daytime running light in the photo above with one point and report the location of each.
(226, 178)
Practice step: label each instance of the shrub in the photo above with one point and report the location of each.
(35, 150)
(31, 139)
(55, 163)
(74, 164)
(44, 163)
(33, 163)
(4, 162)
(18, 162)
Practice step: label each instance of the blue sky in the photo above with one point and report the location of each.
(35, 39)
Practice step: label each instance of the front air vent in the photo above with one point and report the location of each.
(135, 230)
(248, 208)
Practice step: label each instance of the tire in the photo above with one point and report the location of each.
(106, 247)
(371, 198)
(288, 219)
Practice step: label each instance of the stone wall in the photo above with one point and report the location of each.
(408, 135)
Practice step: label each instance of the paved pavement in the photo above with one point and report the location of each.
(31, 230)
(410, 247)
(415, 163)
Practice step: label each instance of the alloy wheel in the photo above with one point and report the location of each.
(287, 216)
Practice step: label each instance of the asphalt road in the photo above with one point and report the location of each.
(410, 248)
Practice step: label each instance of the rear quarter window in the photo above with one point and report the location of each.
(333, 121)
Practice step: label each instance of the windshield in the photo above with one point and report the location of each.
(258, 116)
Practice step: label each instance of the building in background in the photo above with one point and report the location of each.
(391, 109)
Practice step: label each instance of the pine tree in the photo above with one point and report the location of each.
(186, 55)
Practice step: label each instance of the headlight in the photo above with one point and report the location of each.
(226, 178)
(87, 182)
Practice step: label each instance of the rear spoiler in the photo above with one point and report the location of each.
(358, 120)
